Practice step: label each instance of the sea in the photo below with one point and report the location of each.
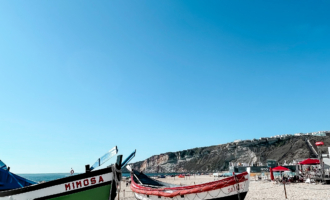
(53, 176)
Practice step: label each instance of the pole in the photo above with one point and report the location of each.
(283, 181)
(322, 166)
(284, 188)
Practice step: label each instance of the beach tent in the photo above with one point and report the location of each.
(280, 169)
(271, 174)
(309, 161)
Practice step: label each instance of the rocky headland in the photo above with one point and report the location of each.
(217, 158)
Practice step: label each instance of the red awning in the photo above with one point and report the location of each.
(309, 161)
(280, 169)
(319, 143)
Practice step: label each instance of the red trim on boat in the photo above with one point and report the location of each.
(184, 190)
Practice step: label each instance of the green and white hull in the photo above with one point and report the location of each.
(95, 185)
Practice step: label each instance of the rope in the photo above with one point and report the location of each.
(190, 199)
(203, 197)
(215, 195)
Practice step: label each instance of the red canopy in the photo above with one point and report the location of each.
(319, 143)
(280, 169)
(309, 161)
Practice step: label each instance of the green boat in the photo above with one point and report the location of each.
(91, 185)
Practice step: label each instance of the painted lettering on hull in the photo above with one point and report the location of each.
(236, 188)
(85, 182)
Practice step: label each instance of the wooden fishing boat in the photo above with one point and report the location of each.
(99, 184)
(91, 185)
(146, 188)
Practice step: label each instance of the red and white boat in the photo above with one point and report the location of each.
(230, 188)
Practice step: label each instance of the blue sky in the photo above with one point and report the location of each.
(79, 77)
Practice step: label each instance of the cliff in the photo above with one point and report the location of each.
(217, 158)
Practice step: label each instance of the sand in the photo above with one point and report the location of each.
(257, 189)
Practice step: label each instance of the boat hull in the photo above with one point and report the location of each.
(233, 197)
(218, 195)
(101, 192)
(87, 186)
(228, 188)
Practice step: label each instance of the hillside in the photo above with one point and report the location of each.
(217, 158)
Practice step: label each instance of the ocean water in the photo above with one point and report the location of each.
(44, 177)
(54, 176)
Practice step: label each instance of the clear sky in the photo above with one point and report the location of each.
(79, 77)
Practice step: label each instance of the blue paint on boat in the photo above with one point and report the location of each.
(9, 181)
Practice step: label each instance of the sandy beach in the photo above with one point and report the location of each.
(257, 190)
